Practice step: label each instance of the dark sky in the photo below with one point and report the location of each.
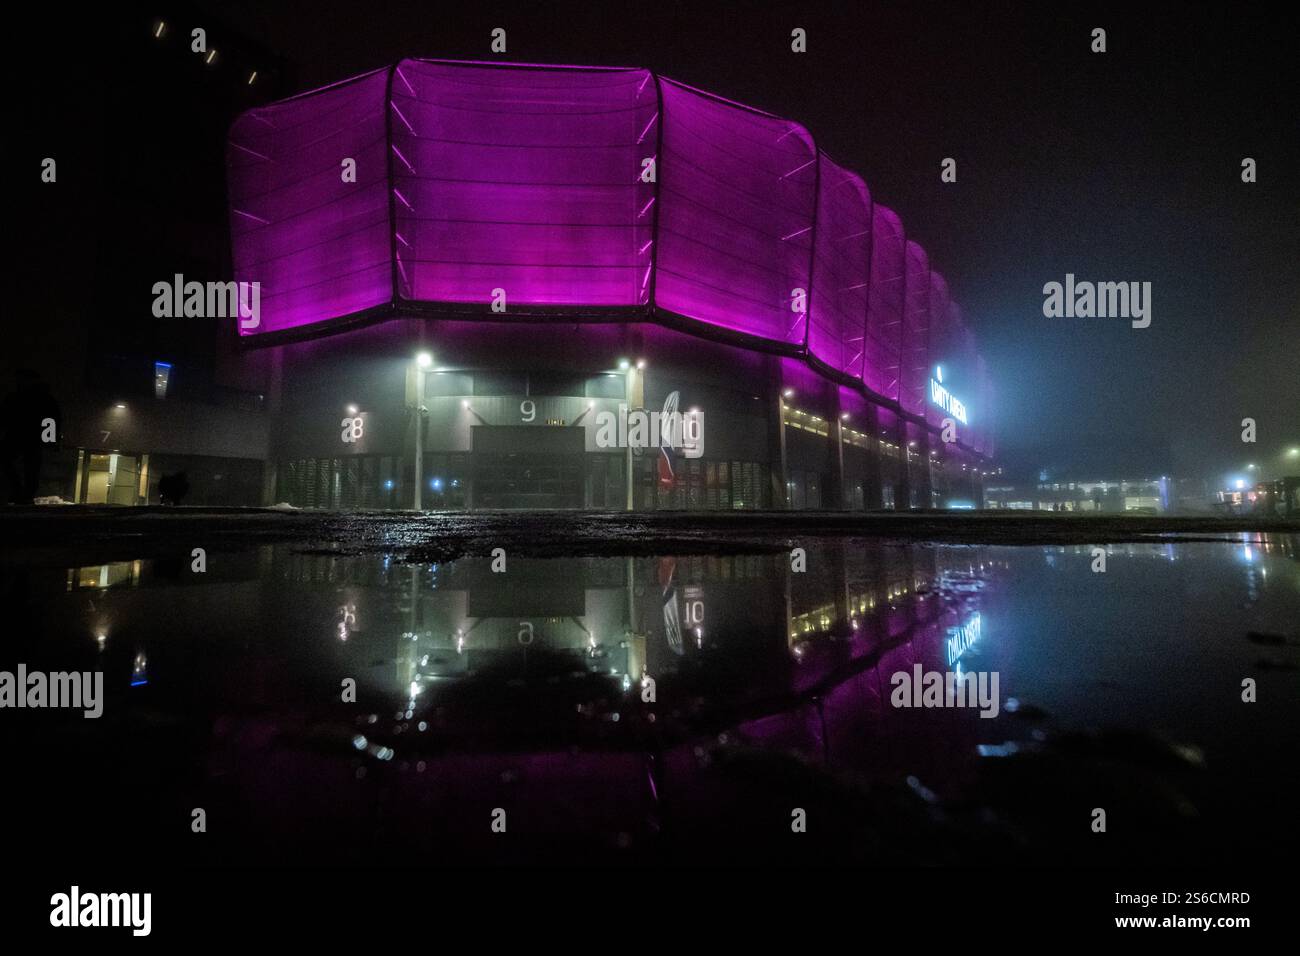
(1123, 166)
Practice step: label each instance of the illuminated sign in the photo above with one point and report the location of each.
(961, 638)
(944, 398)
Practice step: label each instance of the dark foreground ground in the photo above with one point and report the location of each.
(100, 531)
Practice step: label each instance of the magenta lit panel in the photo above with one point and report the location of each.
(882, 368)
(838, 307)
(317, 245)
(916, 331)
(525, 180)
(943, 348)
(737, 192)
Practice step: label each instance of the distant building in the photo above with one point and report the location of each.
(1143, 495)
(1279, 496)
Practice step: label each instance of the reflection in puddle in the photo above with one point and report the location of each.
(678, 707)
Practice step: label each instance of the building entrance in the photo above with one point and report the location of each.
(111, 478)
(523, 466)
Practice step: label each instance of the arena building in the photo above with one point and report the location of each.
(472, 286)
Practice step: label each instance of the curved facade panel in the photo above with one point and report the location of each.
(881, 372)
(317, 245)
(916, 331)
(737, 194)
(838, 306)
(523, 180)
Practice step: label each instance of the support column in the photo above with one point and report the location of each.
(835, 435)
(874, 481)
(272, 405)
(907, 466)
(269, 481)
(924, 485)
(776, 437)
(836, 553)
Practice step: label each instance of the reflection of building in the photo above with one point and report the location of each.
(464, 618)
(1146, 495)
(564, 243)
(674, 619)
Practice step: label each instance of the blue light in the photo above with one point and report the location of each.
(435, 484)
(162, 364)
(388, 485)
(962, 637)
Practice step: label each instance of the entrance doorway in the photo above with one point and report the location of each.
(111, 478)
(528, 466)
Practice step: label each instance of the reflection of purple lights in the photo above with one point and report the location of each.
(535, 180)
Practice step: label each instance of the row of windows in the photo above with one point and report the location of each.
(794, 418)
(1109, 487)
(804, 421)
(701, 485)
(535, 384)
(353, 483)
(361, 482)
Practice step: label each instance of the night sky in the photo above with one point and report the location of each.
(1122, 166)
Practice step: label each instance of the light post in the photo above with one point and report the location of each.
(422, 362)
(626, 367)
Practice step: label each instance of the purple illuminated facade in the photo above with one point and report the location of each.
(500, 193)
